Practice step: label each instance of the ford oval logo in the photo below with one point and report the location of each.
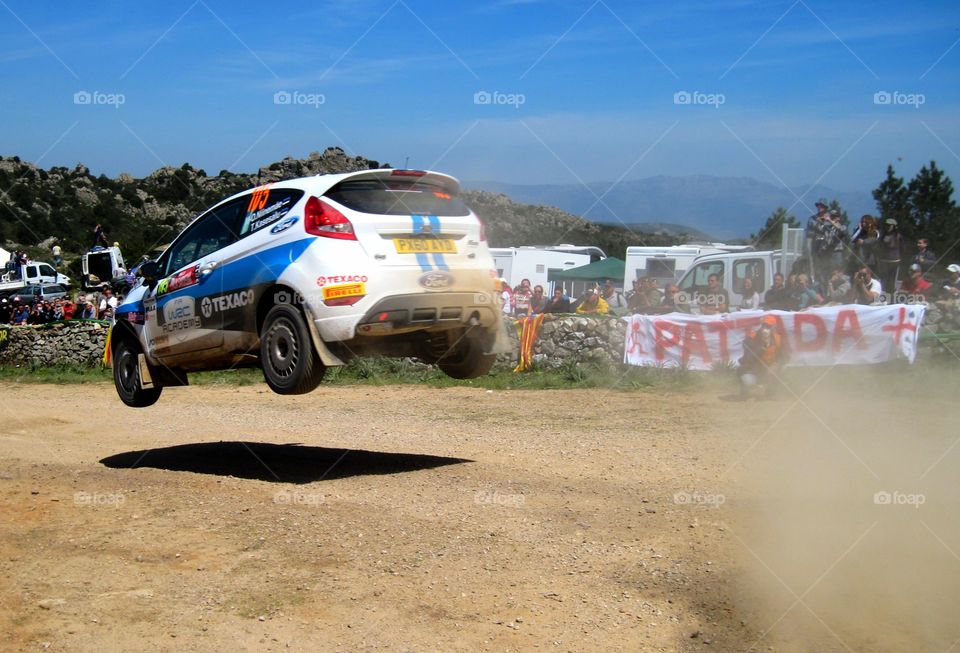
(284, 225)
(436, 280)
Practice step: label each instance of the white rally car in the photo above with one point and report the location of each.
(300, 275)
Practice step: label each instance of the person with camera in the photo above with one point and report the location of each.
(838, 287)
(765, 353)
(867, 290)
(889, 255)
(924, 256)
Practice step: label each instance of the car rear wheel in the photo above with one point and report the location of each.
(290, 363)
(126, 376)
(465, 358)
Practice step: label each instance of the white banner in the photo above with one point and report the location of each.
(831, 335)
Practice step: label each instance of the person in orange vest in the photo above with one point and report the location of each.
(765, 353)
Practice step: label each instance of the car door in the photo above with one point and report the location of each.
(175, 322)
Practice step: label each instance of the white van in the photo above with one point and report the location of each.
(733, 267)
(668, 264)
(100, 266)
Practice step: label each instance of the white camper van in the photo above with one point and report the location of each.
(668, 264)
(733, 267)
(536, 263)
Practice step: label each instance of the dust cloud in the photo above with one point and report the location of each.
(846, 513)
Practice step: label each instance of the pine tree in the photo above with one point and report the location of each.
(893, 201)
(933, 212)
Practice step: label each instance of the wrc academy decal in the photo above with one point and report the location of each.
(220, 303)
(179, 315)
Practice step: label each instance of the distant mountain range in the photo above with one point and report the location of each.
(719, 208)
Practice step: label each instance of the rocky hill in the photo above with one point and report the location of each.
(63, 205)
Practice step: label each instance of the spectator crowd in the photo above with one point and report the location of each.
(23, 310)
(875, 265)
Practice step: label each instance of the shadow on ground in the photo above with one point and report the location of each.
(278, 463)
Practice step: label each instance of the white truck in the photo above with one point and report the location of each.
(536, 263)
(33, 273)
(101, 266)
(668, 264)
(733, 267)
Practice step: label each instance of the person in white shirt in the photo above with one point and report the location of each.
(751, 298)
(108, 305)
(868, 289)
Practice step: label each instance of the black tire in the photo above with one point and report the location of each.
(466, 359)
(126, 376)
(289, 361)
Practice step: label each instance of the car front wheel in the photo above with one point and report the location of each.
(290, 363)
(126, 376)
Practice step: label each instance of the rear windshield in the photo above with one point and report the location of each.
(396, 197)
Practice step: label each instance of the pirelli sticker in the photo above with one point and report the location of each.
(344, 290)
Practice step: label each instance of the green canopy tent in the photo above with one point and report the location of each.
(608, 268)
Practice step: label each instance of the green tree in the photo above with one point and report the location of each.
(893, 201)
(769, 236)
(933, 212)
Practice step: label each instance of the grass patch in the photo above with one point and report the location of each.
(390, 371)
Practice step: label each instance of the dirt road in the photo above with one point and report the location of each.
(417, 519)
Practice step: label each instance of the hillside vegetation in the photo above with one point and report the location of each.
(62, 205)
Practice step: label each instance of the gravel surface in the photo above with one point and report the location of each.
(416, 519)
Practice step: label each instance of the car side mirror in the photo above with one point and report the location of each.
(150, 271)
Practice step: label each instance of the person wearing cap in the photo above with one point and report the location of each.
(828, 245)
(889, 255)
(914, 288)
(6, 311)
(951, 288)
(924, 256)
(765, 353)
(814, 230)
(593, 304)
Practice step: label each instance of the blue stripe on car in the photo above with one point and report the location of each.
(422, 259)
(438, 258)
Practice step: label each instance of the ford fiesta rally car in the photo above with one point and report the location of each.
(300, 275)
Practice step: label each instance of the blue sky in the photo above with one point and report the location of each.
(578, 90)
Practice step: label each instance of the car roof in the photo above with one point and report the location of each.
(320, 184)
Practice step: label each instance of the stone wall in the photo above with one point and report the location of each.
(573, 339)
(77, 343)
(563, 339)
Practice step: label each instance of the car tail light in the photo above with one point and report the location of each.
(408, 173)
(321, 219)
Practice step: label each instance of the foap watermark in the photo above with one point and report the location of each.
(896, 498)
(497, 498)
(299, 98)
(496, 98)
(899, 99)
(699, 499)
(94, 499)
(697, 98)
(99, 98)
(298, 498)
